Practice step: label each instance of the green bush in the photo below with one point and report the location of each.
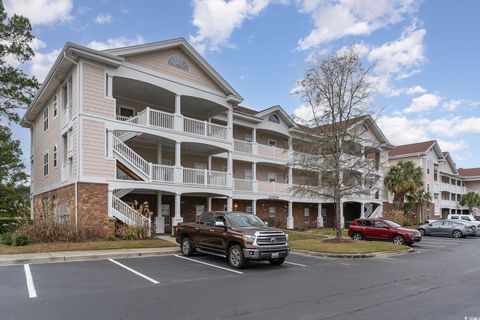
(10, 224)
(6, 239)
(21, 240)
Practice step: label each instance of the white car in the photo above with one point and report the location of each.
(464, 217)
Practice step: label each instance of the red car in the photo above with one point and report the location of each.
(379, 229)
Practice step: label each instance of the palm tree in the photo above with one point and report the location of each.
(471, 200)
(420, 198)
(402, 179)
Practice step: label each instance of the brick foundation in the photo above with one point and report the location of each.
(92, 210)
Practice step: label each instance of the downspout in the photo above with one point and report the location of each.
(78, 141)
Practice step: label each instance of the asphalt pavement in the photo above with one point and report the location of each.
(439, 281)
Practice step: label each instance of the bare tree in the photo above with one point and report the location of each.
(334, 146)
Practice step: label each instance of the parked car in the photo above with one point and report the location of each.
(380, 229)
(450, 228)
(237, 236)
(464, 217)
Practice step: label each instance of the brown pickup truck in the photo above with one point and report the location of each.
(238, 236)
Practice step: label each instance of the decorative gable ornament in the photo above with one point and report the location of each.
(274, 118)
(178, 62)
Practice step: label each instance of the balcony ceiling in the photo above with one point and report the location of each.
(144, 92)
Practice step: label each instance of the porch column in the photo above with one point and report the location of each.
(110, 204)
(177, 218)
(290, 176)
(209, 204)
(254, 141)
(290, 215)
(178, 119)
(178, 172)
(229, 204)
(362, 210)
(229, 124)
(109, 86)
(229, 169)
(109, 144)
(209, 163)
(254, 176)
(319, 216)
(254, 207)
(159, 222)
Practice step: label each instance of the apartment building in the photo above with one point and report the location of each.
(156, 125)
(441, 178)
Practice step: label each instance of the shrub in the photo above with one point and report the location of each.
(399, 217)
(48, 230)
(10, 224)
(126, 232)
(21, 240)
(7, 239)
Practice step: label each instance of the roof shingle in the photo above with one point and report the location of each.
(469, 172)
(418, 147)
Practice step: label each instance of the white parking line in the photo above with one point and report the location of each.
(32, 293)
(136, 272)
(295, 264)
(209, 264)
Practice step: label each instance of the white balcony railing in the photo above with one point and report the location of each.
(204, 128)
(243, 185)
(161, 119)
(204, 177)
(131, 156)
(272, 152)
(272, 187)
(162, 173)
(243, 146)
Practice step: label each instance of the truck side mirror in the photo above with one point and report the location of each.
(219, 224)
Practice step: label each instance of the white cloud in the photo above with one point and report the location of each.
(303, 113)
(115, 43)
(425, 102)
(103, 18)
(415, 90)
(41, 11)
(42, 62)
(402, 130)
(337, 19)
(452, 146)
(452, 105)
(217, 19)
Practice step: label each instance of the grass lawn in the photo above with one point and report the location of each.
(91, 245)
(318, 245)
(330, 232)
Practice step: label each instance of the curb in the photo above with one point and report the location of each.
(352, 255)
(70, 256)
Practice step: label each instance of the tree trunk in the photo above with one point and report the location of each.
(338, 217)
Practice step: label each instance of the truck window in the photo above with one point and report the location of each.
(221, 218)
(207, 218)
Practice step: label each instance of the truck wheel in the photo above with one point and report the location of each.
(187, 248)
(235, 257)
(277, 262)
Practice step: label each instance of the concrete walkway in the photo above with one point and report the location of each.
(63, 256)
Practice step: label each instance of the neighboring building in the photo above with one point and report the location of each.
(471, 179)
(441, 178)
(156, 124)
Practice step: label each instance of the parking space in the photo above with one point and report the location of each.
(93, 277)
(439, 243)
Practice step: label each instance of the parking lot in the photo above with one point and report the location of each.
(205, 287)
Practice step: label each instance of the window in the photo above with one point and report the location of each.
(106, 85)
(126, 112)
(272, 177)
(45, 119)
(454, 217)
(55, 106)
(45, 164)
(55, 156)
(248, 137)
(177, 61)
(306, 215)
(428, 187)
(272, 212)
(272, 143)
(274, 118)
(428, 167)
(467, 218)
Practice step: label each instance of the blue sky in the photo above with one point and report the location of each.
(425, 52)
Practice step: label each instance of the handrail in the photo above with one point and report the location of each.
(131, 156)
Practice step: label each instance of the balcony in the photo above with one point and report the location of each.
(241, 185)
(261, 150)
(164, 120)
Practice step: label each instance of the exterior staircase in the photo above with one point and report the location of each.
(126, 214)
(130, 159)
(119, 193)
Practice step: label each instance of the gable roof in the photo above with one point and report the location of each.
(412, 148)
(450, 161)
(186, 48)
(245, 110)
(469, 172)
(279, 110)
